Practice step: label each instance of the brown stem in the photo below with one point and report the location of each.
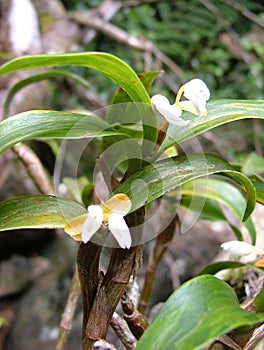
(162, 243)
(123, 264)
(88, 269)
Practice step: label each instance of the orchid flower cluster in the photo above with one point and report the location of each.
(196, 93)
(112, 212)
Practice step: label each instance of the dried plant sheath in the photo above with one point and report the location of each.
(120, 327)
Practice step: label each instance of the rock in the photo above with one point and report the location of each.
(38, 312)
(18, 272)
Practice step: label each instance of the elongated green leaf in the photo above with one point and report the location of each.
(219, 266)
(146, 78)
(196, 314)
(168, 174)
(219, 112)
(37, 211)
(225, 193)
(259, 186)
(254, 164)
(38, 77)
(126, 108)
(50, 124)
(105, 63)
(110, 65)
(259, 301)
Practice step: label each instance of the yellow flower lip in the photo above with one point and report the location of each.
(197, 94)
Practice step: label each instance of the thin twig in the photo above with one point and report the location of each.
(112, 31)
(234, 45)
(34, 168)
(69, 310)
(245, 12)
(162, 244)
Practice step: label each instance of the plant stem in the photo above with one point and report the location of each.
(162, 244)
(123, 264)
(88, 269)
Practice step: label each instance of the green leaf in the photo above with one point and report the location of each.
(225, 193)
(109, 65)
(165, 175)
(219, 112)
(195, 315)
(254, 164)
(51, 124)
(259, 301)
(219, 266)
(146, 78)
(211, 209)
(259, 186)
(38, 77)
(37, 211)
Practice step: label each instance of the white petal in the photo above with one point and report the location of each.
(160, 100)
(119, 204)
(170, 112)
(238, 248)
(196, 88)
(92, 223)
(119, 230)
(198, 93)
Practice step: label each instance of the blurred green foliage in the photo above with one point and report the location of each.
(219, 41)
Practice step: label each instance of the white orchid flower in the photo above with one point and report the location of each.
(196, 93)
(170, 112)
(112, 212)
(238, 248)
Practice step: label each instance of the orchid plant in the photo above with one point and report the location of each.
(140, 172)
